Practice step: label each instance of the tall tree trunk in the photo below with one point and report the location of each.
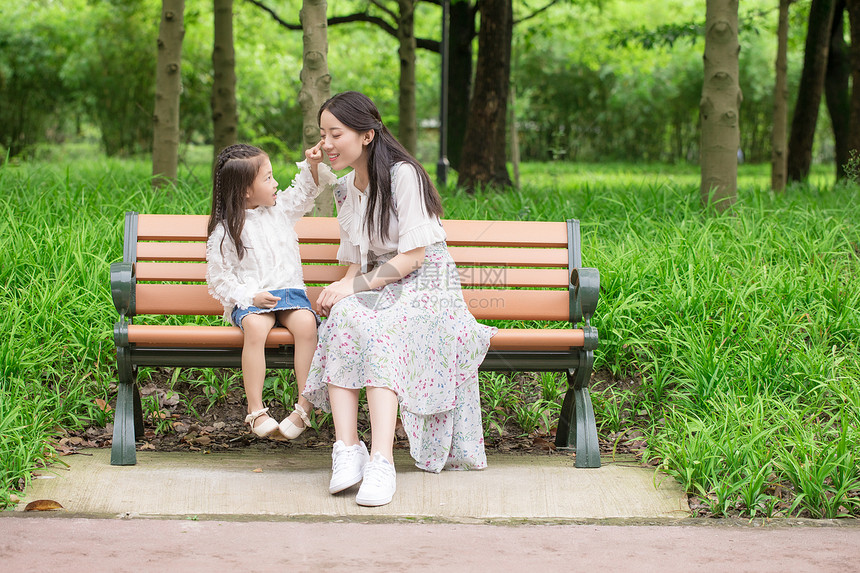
(168, 84)
(515, 138)
(224, 116)
(483, 159)
(780, 102)
(719, 107)
(462, 34)
(316, 83)
(408, 133)
(853, 7)
(810, 89)
(836, 90)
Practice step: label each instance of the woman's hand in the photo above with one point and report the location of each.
(333, 293)
(314, 155)
(265, 300)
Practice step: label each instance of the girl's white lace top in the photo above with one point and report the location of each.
(271, 258)
(411, 228)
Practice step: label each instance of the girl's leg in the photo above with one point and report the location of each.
(303, 326)
(344, 412)
(383, 419)
(256, 327)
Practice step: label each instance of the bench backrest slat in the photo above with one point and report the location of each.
(325, 274)
(327, 254)
(325, 230)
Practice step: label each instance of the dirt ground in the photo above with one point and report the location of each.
(220, 426)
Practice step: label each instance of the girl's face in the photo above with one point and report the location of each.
(345, 147)
(264, 189)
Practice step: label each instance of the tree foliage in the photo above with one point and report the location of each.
(34, 51)
(78, 69)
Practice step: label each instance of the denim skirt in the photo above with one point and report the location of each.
(290, 299)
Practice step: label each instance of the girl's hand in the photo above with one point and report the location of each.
(314, 154)
(265, 300)
(332, 294)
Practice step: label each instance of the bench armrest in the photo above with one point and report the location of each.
(122, 283)
(585, 287)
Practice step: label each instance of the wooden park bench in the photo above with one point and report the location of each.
(510, 270)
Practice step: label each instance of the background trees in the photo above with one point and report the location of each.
(168, 84)
(483, 160)
(720, 104)
(77, 70)
(224, 116)
(315, 81)
(811, 88)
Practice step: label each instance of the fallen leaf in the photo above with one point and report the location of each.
(13, 499)
(148, 389)
(258, 470)
(43, 505)
(147, 446)
(103, 406)
(543, 444)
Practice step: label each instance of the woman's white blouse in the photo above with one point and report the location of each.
(271, 258)
(411, 228)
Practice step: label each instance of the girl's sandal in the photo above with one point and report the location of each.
(290, 430)
(265, 429)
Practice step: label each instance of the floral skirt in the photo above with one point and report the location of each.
(416, 337)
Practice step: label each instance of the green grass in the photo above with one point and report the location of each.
(735, 337)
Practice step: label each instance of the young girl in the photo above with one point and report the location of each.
(397, 323)
(254, 270)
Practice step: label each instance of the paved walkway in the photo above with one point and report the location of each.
(251, 484)
(257, 512)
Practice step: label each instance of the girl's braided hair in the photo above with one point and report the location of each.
(232, 175)
(356, 111)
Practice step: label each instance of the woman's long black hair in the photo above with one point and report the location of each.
(357, 112)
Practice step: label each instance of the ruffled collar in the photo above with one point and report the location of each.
(351, 216)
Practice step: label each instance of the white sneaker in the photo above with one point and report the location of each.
(347, 465)
(380, 482)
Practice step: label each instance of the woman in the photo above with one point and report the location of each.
(397, 323)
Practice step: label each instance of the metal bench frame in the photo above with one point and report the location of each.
(576, 429)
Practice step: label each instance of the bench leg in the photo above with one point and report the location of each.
(576, 424)
(128, 416)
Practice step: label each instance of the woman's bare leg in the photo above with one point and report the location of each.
(344, 411)
(383, 419)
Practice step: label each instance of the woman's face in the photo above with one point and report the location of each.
(345, 147)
